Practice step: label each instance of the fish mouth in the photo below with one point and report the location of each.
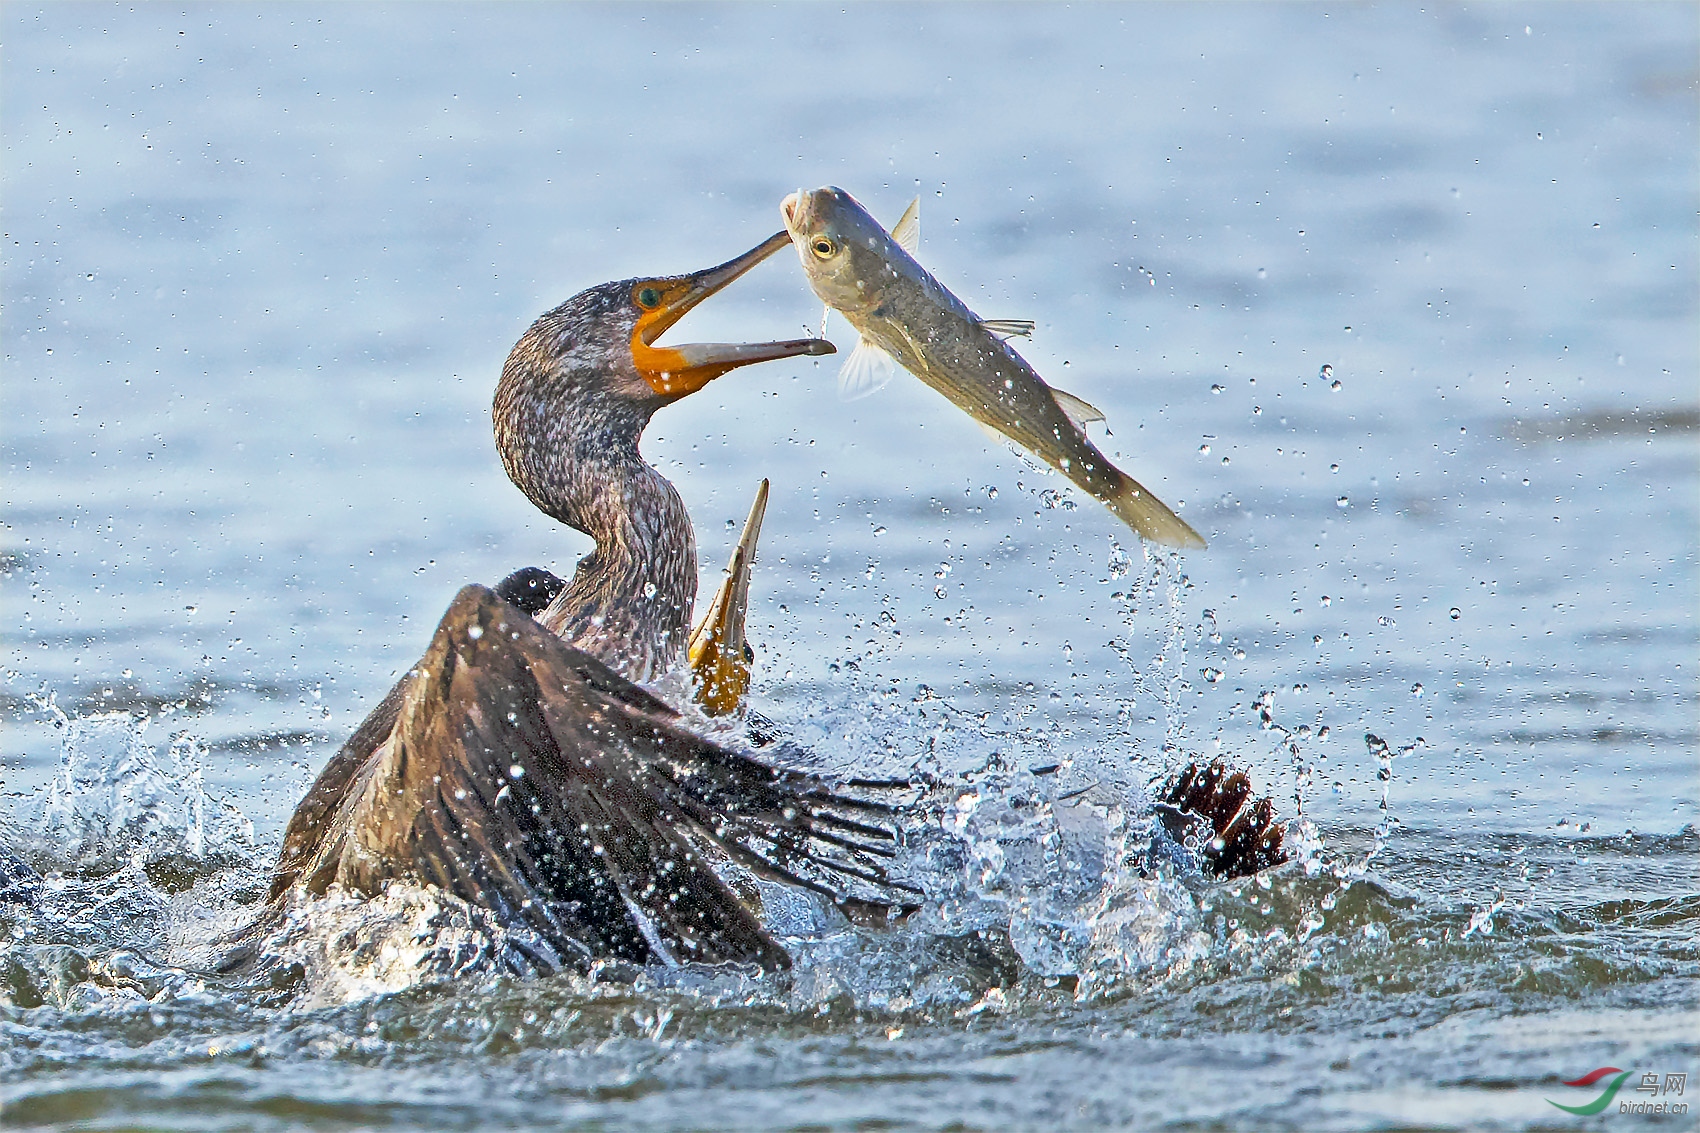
(801, 211)
(791, 209)
(676, 370)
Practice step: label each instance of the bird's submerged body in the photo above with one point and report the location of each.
(902, 313)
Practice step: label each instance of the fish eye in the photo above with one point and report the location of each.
(649, 298)
(823, 247)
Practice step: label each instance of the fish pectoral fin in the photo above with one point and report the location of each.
(996, 436)
(1078, 410)
(1009, 328)
(907, 231)
(867, 370)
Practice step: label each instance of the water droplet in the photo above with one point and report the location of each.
(475, 632)
(942, 571)
(1327, 601)
(1204, 449)
(879, 531)
(1217, 388)
(649, 590)
(1384, 620)
(1213, 675)
(515, 771)
(1120, 561)
(938, 592)
(992, 492)
(1334, 385)
(1326, 372)
(1456, 613)
(1224, 460)
(1333, 468)
(1342, 502)
(1417, 689)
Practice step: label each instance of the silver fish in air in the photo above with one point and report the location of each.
(904, 315)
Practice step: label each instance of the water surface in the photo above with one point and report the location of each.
(1398, 307)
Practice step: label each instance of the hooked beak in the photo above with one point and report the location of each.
(674, 371)
(719, 653)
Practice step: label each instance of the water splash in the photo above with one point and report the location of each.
(115, 798)
(1162, 679)
(1044, 868)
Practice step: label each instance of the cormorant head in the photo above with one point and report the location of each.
(603, 341)
(582, 382)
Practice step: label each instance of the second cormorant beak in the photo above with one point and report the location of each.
(674, 371)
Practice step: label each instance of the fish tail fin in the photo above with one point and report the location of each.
(1150, 517)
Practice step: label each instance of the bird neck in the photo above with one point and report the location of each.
(573, 450)
(629, 602)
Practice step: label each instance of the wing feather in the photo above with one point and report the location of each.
(525, 776)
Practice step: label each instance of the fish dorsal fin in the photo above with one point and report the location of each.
(1082, 413)
(866, 370)
(1009, 328)
(907, 230)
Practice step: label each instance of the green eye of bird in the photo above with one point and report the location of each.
(648, 297)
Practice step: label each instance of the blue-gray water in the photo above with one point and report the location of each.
(261, 267)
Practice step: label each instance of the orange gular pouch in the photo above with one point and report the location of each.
(673, 371)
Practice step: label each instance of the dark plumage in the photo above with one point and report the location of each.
(1211, 804)
(530, 588)
(569, 411)
(517, 765)
(529, 778)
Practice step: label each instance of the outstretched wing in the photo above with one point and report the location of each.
(1239, 839)
(525, 776)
